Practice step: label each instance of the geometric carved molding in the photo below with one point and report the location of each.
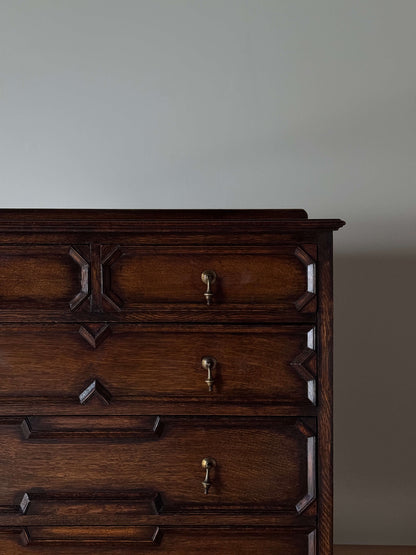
(84, 294)
(102, 536)
(86, 429)
(108, 296)
(312, 543)
(95, 334)
(300, 363)
(311, 467)
(95, 280)
(305, 300)
(95, 388)
(24, 504)
(144, 501)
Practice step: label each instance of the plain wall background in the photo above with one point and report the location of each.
(247, 104)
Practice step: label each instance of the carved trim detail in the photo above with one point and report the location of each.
(312, 543)
(95, 334)
(107, 260)
(85, 292)
(81, 535)
(43, 428)
(95, 388)
(96, 279)
(310, 294)
(144, 497)
(311, 467)
(300, 365)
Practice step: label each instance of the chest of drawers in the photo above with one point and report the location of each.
(165, 382)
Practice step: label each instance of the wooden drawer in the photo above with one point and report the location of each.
(157, 283)
(42, 540)
(249, 280)
(152, 367)
(76, 469)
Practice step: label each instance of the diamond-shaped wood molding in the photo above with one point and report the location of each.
(24, 504)
(300, 363)
(95, 388)
(95, 334)
(307, 301)
(85, 292)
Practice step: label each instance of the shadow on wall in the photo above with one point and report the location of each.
(375, 392)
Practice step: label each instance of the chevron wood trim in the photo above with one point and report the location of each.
(85, 280)
(307, 301)
(95, 334)
(113, 302)
(300, 364)
(95, 388)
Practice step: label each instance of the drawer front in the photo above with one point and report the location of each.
(110, 540)
(206, 281)
(157, 283)
(213, 366)
(80, 467)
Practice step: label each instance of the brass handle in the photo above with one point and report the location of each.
(208, 277)
(209, 363)
(207, 464)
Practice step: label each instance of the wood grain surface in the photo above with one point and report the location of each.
(105, 411)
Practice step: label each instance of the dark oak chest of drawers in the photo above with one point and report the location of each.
(165, 382)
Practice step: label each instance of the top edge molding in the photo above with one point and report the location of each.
(29, 214)
(30, 220)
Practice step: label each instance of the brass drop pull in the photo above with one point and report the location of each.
(208, 277)
(207, 464)
(209, 363)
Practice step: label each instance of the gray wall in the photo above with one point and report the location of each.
(247, 104)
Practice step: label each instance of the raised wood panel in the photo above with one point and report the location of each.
(264, 465)
(280, 277)
(95, 428)
(39, 277)
(45, 540)
(272, 365)
(63, 506)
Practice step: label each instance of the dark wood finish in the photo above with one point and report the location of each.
(263, 465)
(105, 409)
(36, 277)
(45, 540)
(126, 365)
(246, 277)
(325, 397)
(251, 281)
(63, 506)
